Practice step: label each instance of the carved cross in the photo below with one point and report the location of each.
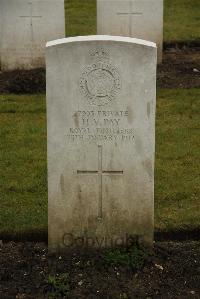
(100, 172)
(130, 14)
(31, 16)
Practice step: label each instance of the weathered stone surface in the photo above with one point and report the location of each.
(101, 97)
(25, 27)
(135, 18)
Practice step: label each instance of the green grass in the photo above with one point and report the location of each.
(177, 159)
(23, 183)
(133, 257)
(181, 19)
(80, 17)
(23, 174)
(58, 286)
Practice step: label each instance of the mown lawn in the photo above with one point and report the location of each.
(23, 179)
(177, 182)
(181, 19)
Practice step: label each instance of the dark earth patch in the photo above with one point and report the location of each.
(180, 69)
(172, 271)
(23, 82)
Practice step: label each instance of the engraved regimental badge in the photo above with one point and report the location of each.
(100, 81)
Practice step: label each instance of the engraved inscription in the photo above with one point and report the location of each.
(100, 126)
(100, 172)
(100, 81)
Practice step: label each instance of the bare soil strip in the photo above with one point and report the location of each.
(172, 271)
(180, 69)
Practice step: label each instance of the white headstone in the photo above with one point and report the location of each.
(135, 18)
(26, 26)
(101, 97)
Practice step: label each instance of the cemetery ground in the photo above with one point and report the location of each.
(173, 269)
(28, 272)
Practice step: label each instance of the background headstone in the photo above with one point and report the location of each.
(135, 18)
(26, 26)
(101, 97)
